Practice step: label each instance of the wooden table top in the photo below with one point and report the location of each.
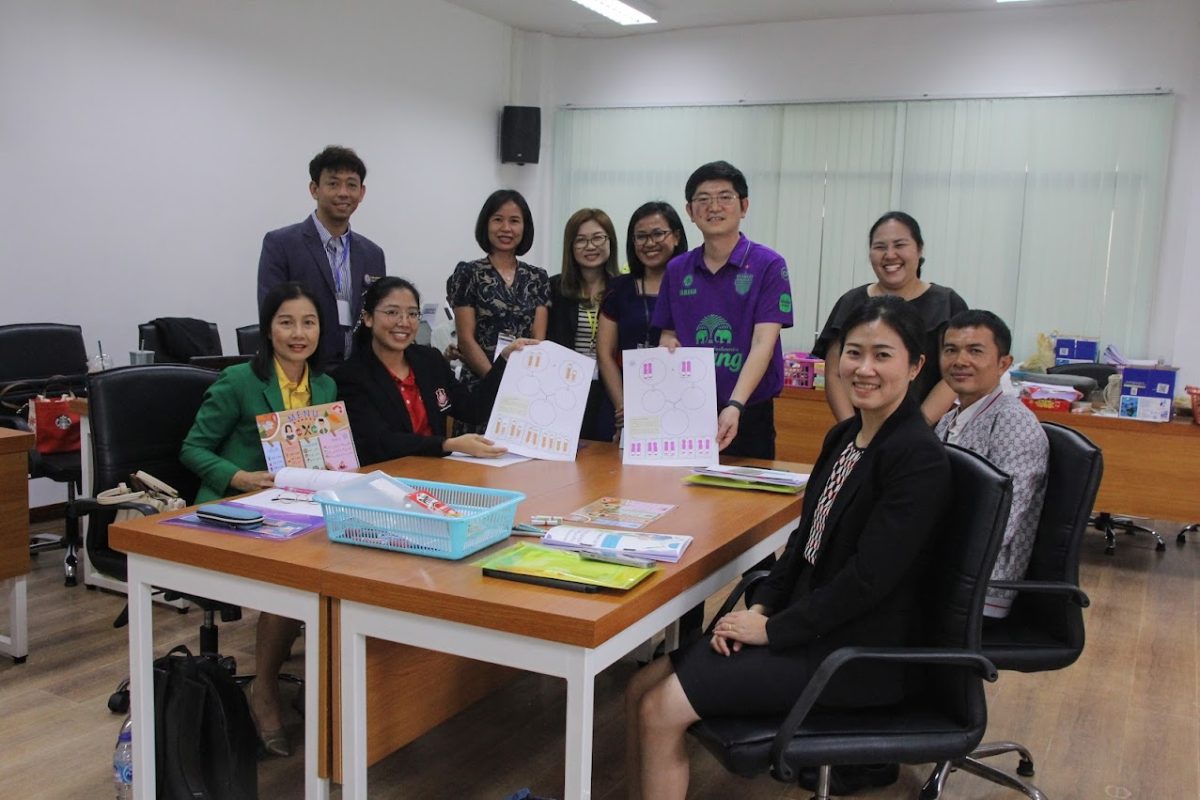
(14, 441)
(723, 522)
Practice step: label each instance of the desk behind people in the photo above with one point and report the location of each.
(14, 536)
(1151, 469)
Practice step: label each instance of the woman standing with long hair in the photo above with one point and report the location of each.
(655, 236)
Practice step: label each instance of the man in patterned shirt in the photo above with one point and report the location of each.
(975, 353)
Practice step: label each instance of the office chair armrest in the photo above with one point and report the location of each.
(1072, 591)
(14, 421)
(974, 661)
(744, 585)
(86, 505)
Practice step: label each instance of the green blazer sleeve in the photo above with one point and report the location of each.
(224, 437)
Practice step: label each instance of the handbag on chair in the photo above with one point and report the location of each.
(146, 490)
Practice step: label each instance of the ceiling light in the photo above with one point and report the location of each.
(617, 11)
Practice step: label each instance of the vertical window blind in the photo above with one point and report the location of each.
(1046, 211)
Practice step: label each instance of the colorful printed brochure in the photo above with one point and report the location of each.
(619, 512)
(656, 546)
(555, 567)
(316, 437)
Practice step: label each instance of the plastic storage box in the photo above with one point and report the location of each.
(487, 518)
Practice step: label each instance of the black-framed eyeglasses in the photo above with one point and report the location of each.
(656, 236)
(596, 240)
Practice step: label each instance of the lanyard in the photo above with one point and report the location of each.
(646, 310)
(592, 320)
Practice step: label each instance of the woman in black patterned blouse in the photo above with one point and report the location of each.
(497, 297)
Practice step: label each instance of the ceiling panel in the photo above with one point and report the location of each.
(565, 18)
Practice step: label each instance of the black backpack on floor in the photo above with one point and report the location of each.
(207, 747)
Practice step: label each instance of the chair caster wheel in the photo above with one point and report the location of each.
(1160, 547)
(19, 659)
(1025, 768)
(1108, 551)
(228, 663)
(70, 580)
(118, 702)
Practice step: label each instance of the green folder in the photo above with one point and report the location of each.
(730, 483)
(556, 564)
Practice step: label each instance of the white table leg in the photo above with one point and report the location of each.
(141, 679)
(284, 601)
(581, 696)
(16, 642)
(354, 714)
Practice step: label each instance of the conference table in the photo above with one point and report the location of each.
(14, 538)
(349, 595)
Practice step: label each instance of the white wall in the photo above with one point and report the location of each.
(149, 144)
(1121, 46)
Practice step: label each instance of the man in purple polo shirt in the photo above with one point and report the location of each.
(730, 294)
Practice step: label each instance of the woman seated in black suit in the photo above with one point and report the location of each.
(398, 393)
(849, 574)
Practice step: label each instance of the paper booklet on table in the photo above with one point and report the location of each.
(294, 490)
(656, 546)
(316, 437)
(558, 568)
(770, 480)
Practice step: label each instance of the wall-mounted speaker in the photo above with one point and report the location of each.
(520, 134)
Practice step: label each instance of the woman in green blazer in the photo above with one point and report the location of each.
(223, 449)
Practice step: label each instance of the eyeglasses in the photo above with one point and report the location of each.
(722, 199)
(656, 236)
(596, 240)
(393, 314)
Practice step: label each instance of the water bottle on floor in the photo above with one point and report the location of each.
(123, 762)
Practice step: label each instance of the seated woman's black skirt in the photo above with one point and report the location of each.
(756, 682)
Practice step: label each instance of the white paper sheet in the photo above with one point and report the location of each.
(506, 460)
(294, 490)
(539, 408)
(670, 407)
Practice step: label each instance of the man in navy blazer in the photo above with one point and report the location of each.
(321, 251)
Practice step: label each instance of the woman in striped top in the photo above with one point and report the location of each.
(589, 261)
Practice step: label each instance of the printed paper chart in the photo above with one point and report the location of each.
(670, 407)
(539, 408)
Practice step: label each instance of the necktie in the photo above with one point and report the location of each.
(337, 262)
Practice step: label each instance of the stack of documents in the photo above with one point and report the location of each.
(655, 546)
(770, 480)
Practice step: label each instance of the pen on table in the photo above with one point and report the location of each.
(530, 530)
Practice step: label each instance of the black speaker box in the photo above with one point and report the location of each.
(520, 134)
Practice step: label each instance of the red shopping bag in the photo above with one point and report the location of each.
(55, 426)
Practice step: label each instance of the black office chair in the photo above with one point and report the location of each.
(247, 340)
(175, 340)
(31, 354)
(1104, 521)
(1044, 630)
(947, 717)
(140, 416)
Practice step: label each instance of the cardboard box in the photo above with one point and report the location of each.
(1076, 350)
(1147, 392)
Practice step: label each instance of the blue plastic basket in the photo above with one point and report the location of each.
(487, 518)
